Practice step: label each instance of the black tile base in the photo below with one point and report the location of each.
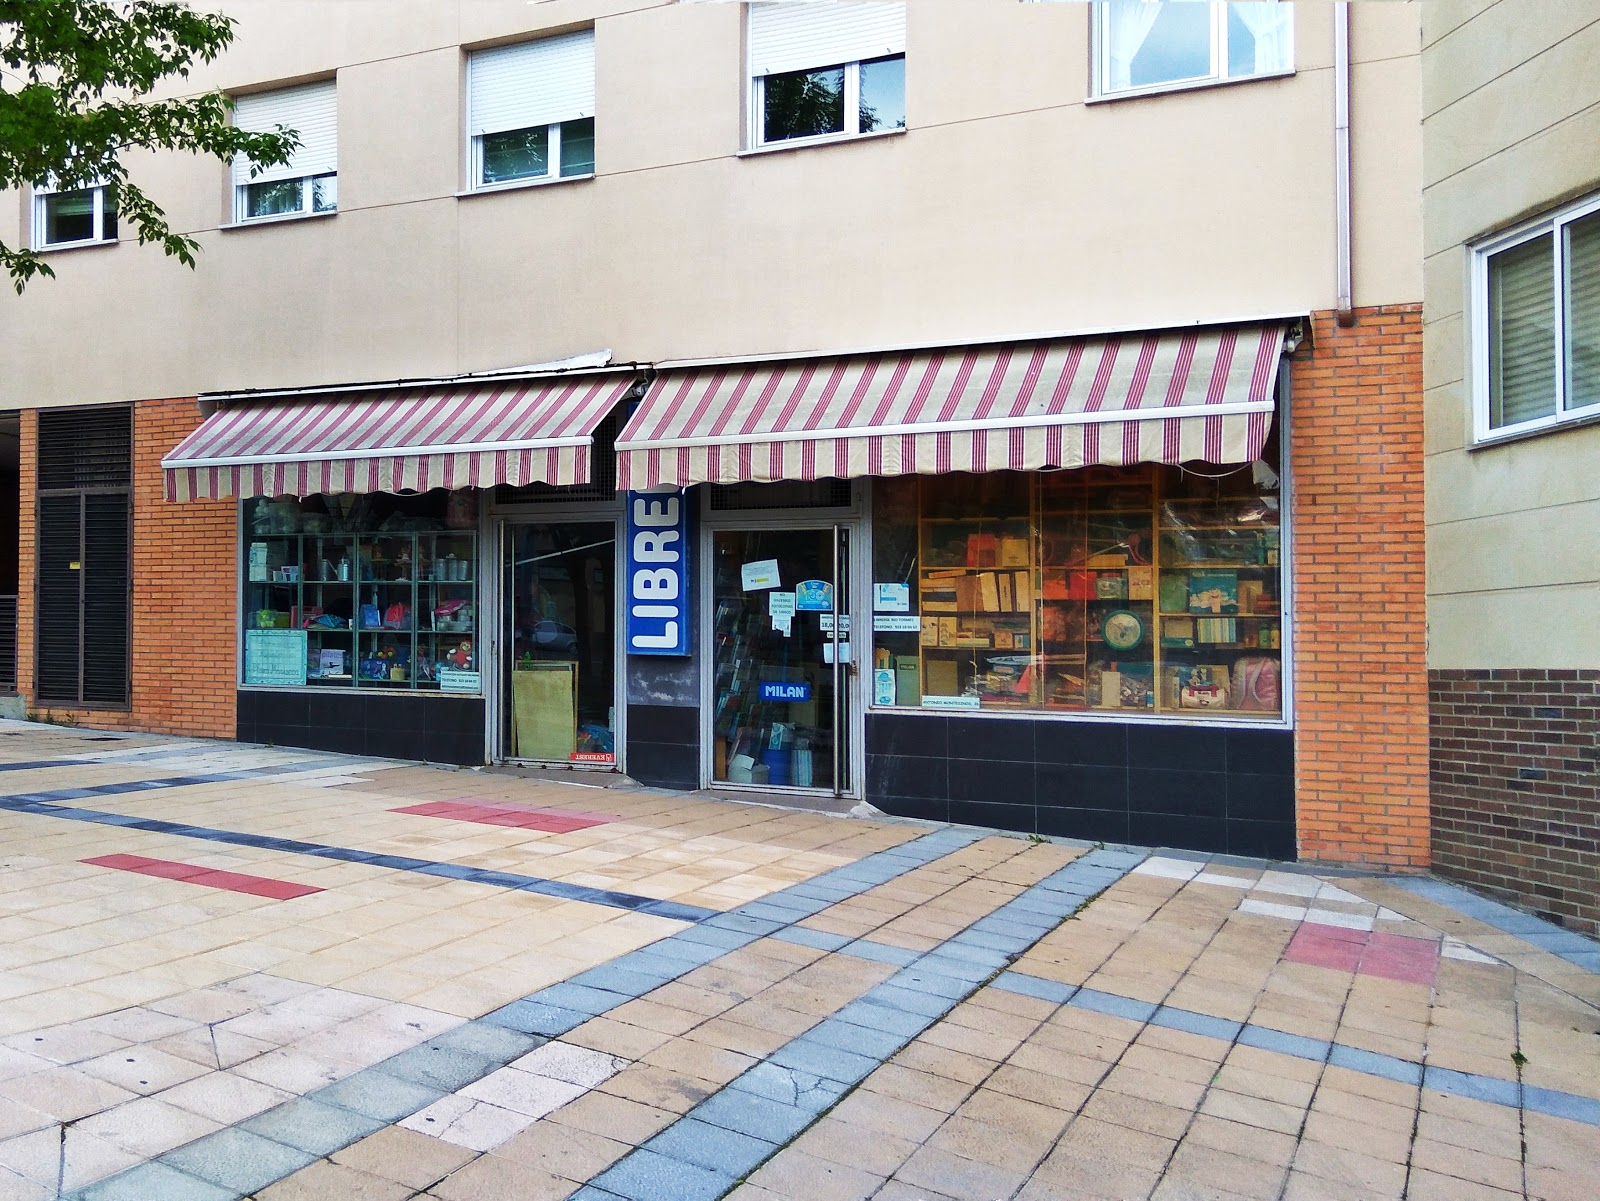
(664, 746)
(435, 729)
(1203, 788)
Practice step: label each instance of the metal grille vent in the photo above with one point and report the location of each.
(85, 448)
(787, 494)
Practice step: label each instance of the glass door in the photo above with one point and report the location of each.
(781, 658)
(560, 609)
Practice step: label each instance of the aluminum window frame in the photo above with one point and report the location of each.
(1481, 335)
(241, 202)
(554, 148)
(41, 199)
(852, 107)
(1099, 60)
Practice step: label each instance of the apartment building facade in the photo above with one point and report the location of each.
(1512, 339)
(1001, 412)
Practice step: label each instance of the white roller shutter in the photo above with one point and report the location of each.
(531, 83)
(799, 35)
(311, 111)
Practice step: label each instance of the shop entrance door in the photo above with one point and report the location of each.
(782, 669)
(559, 606)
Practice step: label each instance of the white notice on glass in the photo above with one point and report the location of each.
(780, 604)
(897, 623)
(891, 598)
(763, 573)
(782, 624)
(827, 651)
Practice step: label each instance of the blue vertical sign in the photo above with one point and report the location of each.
(658, 573)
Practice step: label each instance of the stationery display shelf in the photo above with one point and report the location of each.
(388, 610)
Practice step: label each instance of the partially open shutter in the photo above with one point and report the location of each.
(311, 111)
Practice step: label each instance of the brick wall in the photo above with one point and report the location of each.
(1361, 681)
(1516, 787)
(184, 582)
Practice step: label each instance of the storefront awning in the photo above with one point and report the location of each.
(1169, 397)
(522, 432)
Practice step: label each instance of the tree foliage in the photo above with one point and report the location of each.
(74, 80)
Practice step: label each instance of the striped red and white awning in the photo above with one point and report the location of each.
(522, 432)
(1167, 397)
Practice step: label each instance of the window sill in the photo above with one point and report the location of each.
(832, 139)
(520, 185)
(1192, 85)
(1490, 441)
(91, 244)
(282, 219)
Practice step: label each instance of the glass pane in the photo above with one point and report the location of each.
(577, 147)
(562, 607)
(1522, 352)
(1260, 38)
(274, 199)
(516, 154)
(802, 104)
(1241, 44)
(883, 94)
(1177, 46)
(108, 222)
(324, 193)
(1583, 312)
(69, 217)
(773, 717)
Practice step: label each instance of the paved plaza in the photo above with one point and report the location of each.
(240, 972)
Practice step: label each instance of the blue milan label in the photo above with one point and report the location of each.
(785, 692)
(658, 573)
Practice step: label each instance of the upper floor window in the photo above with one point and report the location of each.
(80, 217)
(309, 181)
(530, 110)
(1536, 342)
(1151, 45)
(826, 70)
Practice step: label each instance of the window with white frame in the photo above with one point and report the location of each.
(1537, 323)
(826, 70)
(75, 217)
(1153, 45)
(309, 182)
(530, 110)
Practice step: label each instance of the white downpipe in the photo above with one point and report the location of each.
(1341, 161)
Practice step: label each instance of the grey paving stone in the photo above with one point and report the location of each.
(376, 1094)
(828, 1062)
(909, 1000)
(308, 1125)
(536, 1017)
(760, 1117)
(759, 926)
(726, 1152)
(1373, 1064)
(917, 978)
(858, 1040)
(645, 1176)
(799, 1090)
(1196, 1023)
(1033, 986)
(1115, 1006)
(1283, 1043)
(878, 1017)
(238, 1160)
(593, 1001)
(153, 1182)
(1470, 1084)
(676, 952)
(1562, 1105)
(441, 1068)
(635, 980)
(488, 1039)
(716, 936)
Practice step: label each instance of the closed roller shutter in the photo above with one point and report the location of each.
(310, 110)
(801, 36)
(531, 84)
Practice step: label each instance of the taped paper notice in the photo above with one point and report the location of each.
(760, 575)
(783, 625)
(826, 621)
(844, 651)
(897, 623)
(780, 604)
(891, 598)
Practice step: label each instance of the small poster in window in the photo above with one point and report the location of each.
(759, 575)
(813, 596)
(275, 657)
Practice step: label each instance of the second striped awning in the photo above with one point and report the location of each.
(478, 436)
(1166, 397)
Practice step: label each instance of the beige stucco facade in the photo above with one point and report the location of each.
(1511, 122)
(1008, 207)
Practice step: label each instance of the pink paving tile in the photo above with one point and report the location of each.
(1315, 945)
(1395, 957)
(486, 813)
(188, 873)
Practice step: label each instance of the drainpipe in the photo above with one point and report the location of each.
(1341, 161)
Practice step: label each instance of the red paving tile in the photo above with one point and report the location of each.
(486, 813)
(1389, 956)
(167, 869)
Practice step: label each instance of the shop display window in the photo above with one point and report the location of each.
(1143, 589)
(362, 591)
